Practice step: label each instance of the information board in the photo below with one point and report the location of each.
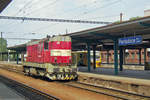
(130, 40)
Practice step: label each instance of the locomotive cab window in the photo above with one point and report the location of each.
(46, 45)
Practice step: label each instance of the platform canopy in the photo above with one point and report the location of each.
(104, 35)
(4, 4)
(18, 48)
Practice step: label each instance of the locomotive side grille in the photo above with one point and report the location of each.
(56, 69)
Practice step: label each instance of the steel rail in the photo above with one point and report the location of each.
(108, 91)
(31, 89)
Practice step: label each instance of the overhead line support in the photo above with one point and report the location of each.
(54, 20)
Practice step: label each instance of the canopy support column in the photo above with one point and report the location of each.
(124, 56)
(89, 57)
(121, 58)
(140, 56)
(144, 55)
(94, 57)
(17, 57)
(116, 56)
(107, 56)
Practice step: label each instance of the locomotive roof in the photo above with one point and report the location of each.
(54, 38)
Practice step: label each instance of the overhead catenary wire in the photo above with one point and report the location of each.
(64, 12)
(23, 8)
(20, 10)
(54, 2)
(81, 6)
(53, 20)
(44, 27)
(98, 8)
(48, 4)
(22, 38)
(86, 13)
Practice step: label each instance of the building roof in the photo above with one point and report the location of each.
(105, 34)
(18, 48)
(4, 4)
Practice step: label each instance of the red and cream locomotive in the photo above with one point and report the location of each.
(51, 58)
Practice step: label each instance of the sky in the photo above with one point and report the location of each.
(19, 32)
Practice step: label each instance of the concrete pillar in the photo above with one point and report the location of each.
(17, 57)
(94, 57)
(89, 57)
(121, 58)
(144, 55)
(140, 56)
(116, 56)
(124, 56)
(8, 55)
(22, 57)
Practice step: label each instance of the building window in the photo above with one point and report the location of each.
(133, 55)
(127, 55)
(148, 54)
(137, 55)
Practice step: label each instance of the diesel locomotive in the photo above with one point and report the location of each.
(52, 58)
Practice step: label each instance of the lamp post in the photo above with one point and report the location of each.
(8, 55)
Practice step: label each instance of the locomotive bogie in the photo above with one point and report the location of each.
(50, 71)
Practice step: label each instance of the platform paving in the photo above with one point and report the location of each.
(7, 93)
(139, 74)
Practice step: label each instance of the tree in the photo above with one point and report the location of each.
(3, 45)
(134, 18)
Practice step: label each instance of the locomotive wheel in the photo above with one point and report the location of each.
(76, 79)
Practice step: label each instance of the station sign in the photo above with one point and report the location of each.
(130, 40)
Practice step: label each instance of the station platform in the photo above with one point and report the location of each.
(7, 93)
(133, 81)
(139, 74)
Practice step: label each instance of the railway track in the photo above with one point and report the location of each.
(27, 92)
(119, 95)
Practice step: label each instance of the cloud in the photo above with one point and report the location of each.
(147, 7)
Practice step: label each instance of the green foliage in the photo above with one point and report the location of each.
(117, 22)
(134, 18)
(3, 45)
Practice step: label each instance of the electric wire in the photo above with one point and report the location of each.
(84, 14)
(31, 12)
(47, 5)
(19, 11)
(22, 9)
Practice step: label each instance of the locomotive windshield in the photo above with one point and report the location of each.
(45, 45)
